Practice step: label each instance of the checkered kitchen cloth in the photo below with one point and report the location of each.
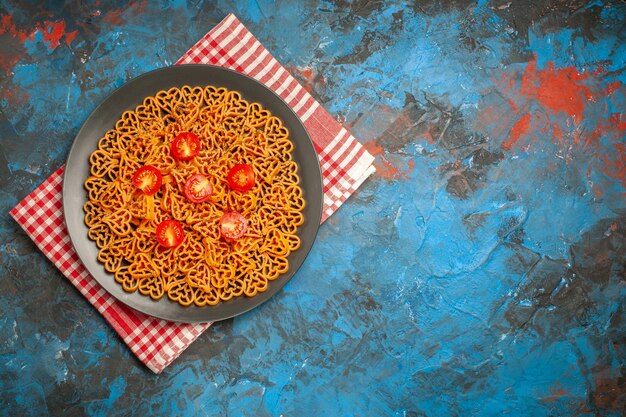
(345, 165)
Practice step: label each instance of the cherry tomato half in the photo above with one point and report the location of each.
(185, 146)
(148, 179)
(233, 225)
(198, 188)
(241, 177)
(170, 233)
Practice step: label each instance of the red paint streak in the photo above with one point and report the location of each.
(566, 97)
(8, 60)
(518, 129)
(612, 128)
(410, 169)
(307, 73)
(557, 134)
(69, 37)
(612, 87)
(52, 33)
(555, 395)
(385, 168)
(310, 76)
(8, 27)
(429, 138)
(615, 119)
(606, 141)
(600, 69)
(373, 148)
(560, 90)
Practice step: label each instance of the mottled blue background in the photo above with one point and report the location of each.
(481, 271)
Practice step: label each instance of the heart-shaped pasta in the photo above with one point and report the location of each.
(111, 262)
(205, 298)
(123, 277)
(205, 268)
(119, 222)
(153, 286)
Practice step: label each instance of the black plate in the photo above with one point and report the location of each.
(128, 97)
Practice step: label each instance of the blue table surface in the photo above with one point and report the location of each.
(479, 272)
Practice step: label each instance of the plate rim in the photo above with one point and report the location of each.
(284, 278)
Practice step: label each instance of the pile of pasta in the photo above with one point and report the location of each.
(205, 268)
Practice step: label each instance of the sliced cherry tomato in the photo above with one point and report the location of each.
(233, 225)
(185, 146)
(198, 188)
(241, 177)
(170, 233)
(148, 179)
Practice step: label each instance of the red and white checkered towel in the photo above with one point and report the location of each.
(345, 165)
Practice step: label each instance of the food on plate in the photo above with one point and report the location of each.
(194, 195)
